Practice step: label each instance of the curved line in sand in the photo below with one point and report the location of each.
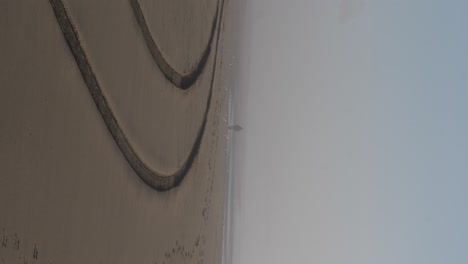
(153, 178)
(183, 81)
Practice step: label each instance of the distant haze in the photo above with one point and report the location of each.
(355, 146)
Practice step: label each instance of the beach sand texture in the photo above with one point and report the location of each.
(113, 131)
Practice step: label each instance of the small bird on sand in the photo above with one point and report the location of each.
(236, 128)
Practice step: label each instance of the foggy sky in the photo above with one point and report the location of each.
(354, 147)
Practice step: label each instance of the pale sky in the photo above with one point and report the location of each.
(355, 146)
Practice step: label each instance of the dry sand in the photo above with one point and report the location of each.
(67, 192)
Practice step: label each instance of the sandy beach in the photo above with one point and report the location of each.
(77, 142)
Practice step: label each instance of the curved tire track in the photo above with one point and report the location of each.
(183, 81)
(153, 178)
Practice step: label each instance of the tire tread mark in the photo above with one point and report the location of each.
(157, 180)
(183, 81)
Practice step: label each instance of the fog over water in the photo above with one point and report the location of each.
(354, 143)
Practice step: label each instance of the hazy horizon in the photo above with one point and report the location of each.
(354, 143)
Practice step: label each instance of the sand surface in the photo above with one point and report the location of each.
(67, 192)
